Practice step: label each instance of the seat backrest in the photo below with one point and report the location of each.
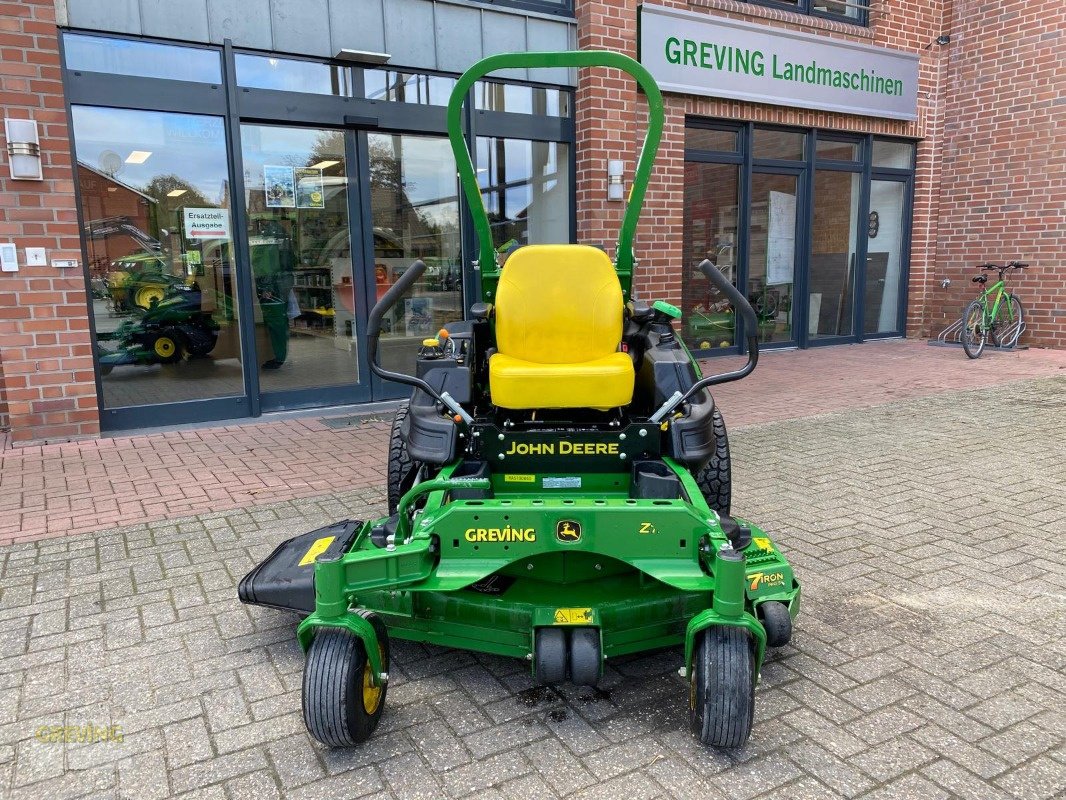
(558, 304)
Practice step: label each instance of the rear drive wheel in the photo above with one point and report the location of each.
(402, 469)
(722, 687)
(341, 705)
(973, 329)
(1008, 323)
(776, 621)
(715, 480)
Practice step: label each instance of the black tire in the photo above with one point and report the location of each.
(715, 479)
(1009, 322)
(549, 655)
(722, 687)
(585, 660)
(105, 369)
(776, 620)
(973, 333)
(336, 708)
(168, 346)
(401, 469)
(200, 341)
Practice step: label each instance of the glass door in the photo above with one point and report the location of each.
(834, 253)
(772, 248)
(414, 214)
(886, 257)
(307, 308)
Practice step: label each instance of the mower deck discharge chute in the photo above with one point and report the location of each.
(559, 489)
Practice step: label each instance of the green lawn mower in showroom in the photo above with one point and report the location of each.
(558, 488)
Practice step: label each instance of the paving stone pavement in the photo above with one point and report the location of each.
(929, 660)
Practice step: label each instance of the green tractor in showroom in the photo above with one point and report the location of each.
(559, 489)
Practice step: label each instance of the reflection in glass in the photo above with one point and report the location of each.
(407, 87)
(156, 207)
(896, 155)
(520, 99)
(781, 145)
(772, 254)
(415, 211)
(297, 195)
(710, 139)
(884, 259)
(292, 75)
(830, 150)
(833, 240)
(526, 190)
(710, 233)
(141, 59)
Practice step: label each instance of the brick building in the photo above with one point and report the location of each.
(234, 186)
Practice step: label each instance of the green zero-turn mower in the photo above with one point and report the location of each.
(558, 486)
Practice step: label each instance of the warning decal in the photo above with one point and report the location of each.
(573, 616)
(315, 550)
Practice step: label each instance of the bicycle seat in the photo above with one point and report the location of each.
(980, 279)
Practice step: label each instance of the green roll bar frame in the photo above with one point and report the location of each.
(490, 272)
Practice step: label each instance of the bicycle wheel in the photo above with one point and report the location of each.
(1008, 325)
(973, 329)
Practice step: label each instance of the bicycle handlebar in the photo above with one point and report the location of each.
(1005, 267)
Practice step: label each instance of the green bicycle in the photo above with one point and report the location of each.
(988, 316)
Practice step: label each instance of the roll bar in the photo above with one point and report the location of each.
(751, 326)
(468, 177)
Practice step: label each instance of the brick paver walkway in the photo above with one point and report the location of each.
(86, 486)
(928, 661)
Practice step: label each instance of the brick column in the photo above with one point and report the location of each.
(46, 365)
(611, 118)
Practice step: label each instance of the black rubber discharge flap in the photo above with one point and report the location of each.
(286, 578)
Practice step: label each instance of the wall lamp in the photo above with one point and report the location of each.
(364, 56)
(615, 189)
(23, 149)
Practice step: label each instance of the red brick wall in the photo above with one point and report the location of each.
(608, 110)
(1003, 194)
(47, 382)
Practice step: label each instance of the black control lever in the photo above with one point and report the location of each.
(751, 324)
(373, 332)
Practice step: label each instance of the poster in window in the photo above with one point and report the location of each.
(280, 186)
(781, 238)
(309, 192)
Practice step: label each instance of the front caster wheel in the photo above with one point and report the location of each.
(777, 622)
(586, 662)
(341, 705)
(549, 656)
(722, 687)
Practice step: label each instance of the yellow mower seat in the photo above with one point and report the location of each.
(558, 325)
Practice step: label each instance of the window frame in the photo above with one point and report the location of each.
(806, 7)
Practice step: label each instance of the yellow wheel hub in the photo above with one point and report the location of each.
(164, 347)
(371, 693)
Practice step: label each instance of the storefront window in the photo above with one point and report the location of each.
(833, 249)
(884, 259)
(141, 59)
(296, 186)
(526, 189)
(710, 139)
(779, 145)
(518, 99)
(407, 87)
(894, 155)
(292, 75)
(156, 210)
(415, 210)
(772, 253)
(832, 150)
(710, 233)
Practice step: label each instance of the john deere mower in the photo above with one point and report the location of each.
(558, 489)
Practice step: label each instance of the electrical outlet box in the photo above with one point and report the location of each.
(36, 257)
(9, 257)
